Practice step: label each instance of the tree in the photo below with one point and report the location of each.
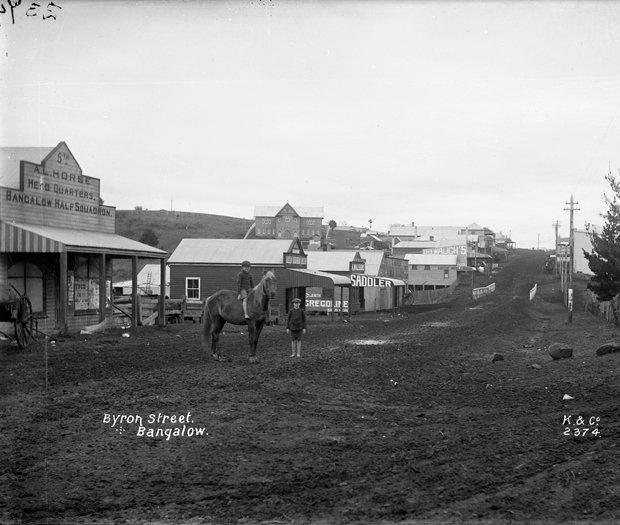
(149, 237)
(604, 259)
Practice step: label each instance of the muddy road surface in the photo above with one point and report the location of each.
(384, 419)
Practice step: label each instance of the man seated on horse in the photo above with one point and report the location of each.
(244, 284)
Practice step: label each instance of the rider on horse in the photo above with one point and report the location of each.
(244, 284)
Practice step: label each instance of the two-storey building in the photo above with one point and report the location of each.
(288, 222)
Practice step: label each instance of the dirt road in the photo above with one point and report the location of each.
(385, 419)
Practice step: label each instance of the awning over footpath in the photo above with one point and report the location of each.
(321, 279)
(338, 280)
(30, 238)
(395, 282)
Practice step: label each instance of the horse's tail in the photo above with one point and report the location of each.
(207, 320)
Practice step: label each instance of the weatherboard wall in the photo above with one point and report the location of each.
(56, 193)
(215, 278)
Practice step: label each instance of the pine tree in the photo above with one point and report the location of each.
(604, 260)
(149, 237)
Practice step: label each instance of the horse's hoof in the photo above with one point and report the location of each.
(253, 360)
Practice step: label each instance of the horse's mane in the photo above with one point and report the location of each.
(259, 294)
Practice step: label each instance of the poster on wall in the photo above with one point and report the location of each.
(93, 294)
(70, 287)
(81, 294)
(108, 294)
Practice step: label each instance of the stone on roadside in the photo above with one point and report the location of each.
(536, 366)
(497, 357)
(560, 351)
(608, 348)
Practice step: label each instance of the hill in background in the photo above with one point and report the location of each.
(172, 226)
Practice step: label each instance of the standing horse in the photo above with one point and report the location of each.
(224, 306)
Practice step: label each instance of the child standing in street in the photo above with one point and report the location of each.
(296, 326)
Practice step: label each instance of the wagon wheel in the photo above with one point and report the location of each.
(23, 322)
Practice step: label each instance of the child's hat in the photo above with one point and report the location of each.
(297, 300)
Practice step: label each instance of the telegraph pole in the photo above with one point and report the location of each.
(571, 247)
(556, 270)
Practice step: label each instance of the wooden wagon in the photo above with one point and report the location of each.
(19, 312)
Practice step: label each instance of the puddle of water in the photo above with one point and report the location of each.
(366, 342)
(438, 324)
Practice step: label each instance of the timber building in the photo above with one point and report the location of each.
(58, 241)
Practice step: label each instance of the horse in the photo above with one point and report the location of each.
(224, 307)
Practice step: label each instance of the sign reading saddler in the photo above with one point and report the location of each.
(369, 280)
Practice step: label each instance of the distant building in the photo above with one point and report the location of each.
(149, 282)
(200, 267)
(582, 240)
(288, 222)
(432, 270)
(383, 281)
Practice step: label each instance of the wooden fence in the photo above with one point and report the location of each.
(430, 296)
(477, 293)
(177, 310)
(602, 309)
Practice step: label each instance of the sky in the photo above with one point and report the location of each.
(433, 113)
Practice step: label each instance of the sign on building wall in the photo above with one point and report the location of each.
(460, 250)
(322, 300)
(57, 193)
(371, 281)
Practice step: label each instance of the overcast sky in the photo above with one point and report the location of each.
(438, 113)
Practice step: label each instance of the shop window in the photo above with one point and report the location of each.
(27, 279)
(83, 283)
(192, 287)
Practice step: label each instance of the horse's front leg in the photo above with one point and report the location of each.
(252, 343)
(215, 349)
(257, 329)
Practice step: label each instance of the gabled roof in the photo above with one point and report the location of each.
(416, 244)
(302, 211)
(373, 259)
(10, 158)
(442, 259)
(262, 252)
(440, 231)
(330, 261)
(143, 278)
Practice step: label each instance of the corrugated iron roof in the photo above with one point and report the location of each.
(330, 261)
(90, 240)
(302, 211)
(230, 251)
(416, 244)
(373, 259)
(338, 280)
(432, 258)
(143, 277)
